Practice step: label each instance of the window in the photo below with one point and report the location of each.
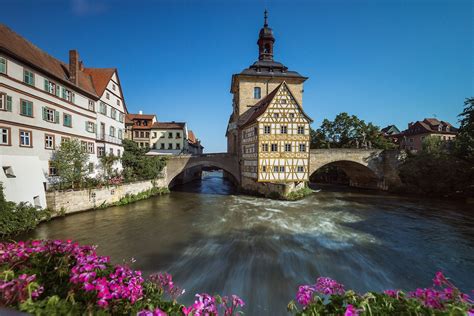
(5, 139)
(52, 169)
(90, 127)
(100, 151)
(264, 147)
(103, 108)
(287, 147)
(26, 108)
(257, 93)
(64, 139)
(120, 117)
(411, 140)
(48, 141)
(283, 101)
(113, 113)
(282, 168)
(118, 102)
(25, 139)
(90, 148)
(147, 134)
(302, 147)
(112, 131)
(276, 115)
(118, 152)
(111, 151)
(300, 169)
(5, 102)
(50, 115)
(276, 169)
(142, 134)
(91, 105)
(170, 135)
(178, 146)
(301, 130)
(292, 115)
(50, 86)
(170, 146)
(266, 129)
(3, 65)
(90, 167)
(107, 96)
(120, 134)
(84, 146)
(67, 95)
(274, 147)
(264, 168)
(28, 77)
(284, 129)
(113, 86)
(154, 134)
(178, 135)
(67, 120)
(162, 146)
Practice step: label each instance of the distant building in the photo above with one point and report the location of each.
(138, 128)
(43, 102)
(412, 138)
(391, 132)
(168, 138)
(194, 144)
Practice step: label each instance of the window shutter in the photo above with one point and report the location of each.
(58, 91)
(64, 93)
(46, 85)
(72, 97)
(44, 114)
(56, 117)
(87, 126)
(9, 103)
(95, 127)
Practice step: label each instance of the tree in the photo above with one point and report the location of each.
(107, 162)
(464, 143)
(348, 131)
(137, 166)
(70, 162)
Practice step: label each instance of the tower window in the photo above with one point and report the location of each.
(257, 93)
(266, 50)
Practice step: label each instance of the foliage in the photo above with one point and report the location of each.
(46, 277)
(70, 161)
(464, 143)
(130, 198)
(328, 297)
(299, 194)
(436, 171)
(17, 218)
(107, 162)
(137, 166)
(348, 131)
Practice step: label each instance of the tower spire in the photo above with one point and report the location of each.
(265, 40)
(265, 15)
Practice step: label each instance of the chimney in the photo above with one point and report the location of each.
(74, 66)
(81, 65)
(140, 112)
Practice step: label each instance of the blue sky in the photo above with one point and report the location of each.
(389, 62)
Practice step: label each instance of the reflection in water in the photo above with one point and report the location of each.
(214, 241)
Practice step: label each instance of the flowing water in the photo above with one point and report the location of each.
(215, 241)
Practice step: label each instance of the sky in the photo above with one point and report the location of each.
(388, 62)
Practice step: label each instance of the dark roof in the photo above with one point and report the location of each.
(261, 106)
(429, 125)
(271, 69)
(168, 125)
(391, 129)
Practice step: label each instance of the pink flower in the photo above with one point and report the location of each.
(329, 286)
(351, 311)
(305, 294)
(439, 279)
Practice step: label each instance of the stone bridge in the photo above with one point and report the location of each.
(367, 168)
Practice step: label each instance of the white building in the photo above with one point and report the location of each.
(168, 138)
(44, 101)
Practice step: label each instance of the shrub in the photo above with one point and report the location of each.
(70, 161)
(299, 194)
(46, 277)
(17, 218)
(130, 198)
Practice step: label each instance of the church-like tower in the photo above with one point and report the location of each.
(255, 82)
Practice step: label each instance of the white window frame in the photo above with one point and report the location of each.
(5, 133)
(26, 137)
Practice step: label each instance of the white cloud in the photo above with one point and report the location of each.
(88, 7)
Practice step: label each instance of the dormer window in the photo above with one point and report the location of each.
(257, 93)
(107, 96)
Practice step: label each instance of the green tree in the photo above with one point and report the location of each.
(464, 142)
(70, 161)
(137, 166)
(348, 131)
(107, 162)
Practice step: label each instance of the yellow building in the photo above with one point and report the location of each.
(268, 129)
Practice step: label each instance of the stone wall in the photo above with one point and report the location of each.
(76, 201)
(267, 189)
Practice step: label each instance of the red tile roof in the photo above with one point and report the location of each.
(169, 125)
(100, 78)
(191, 137)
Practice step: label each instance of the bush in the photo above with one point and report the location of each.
(328, 297)
(299, 194)
(63, 278)
(17, 218)
(130, 198)
(137, 166)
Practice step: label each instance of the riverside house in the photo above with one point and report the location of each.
(412, 138)
(44, 101)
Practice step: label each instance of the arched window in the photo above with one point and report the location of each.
(266, 49)
(257, 93)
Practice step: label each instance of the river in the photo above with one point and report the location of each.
(213, 240)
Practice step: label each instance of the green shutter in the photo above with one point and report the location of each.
(72, 97)
(45, 115)
(64, 93)
(9, 103)
(58, 90)
(95, 127)
(46, 85)
(30, 108)
(56, 117)
(87, 129)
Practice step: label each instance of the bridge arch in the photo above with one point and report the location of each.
(185, 166)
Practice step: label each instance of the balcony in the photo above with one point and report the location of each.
(108, 138)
